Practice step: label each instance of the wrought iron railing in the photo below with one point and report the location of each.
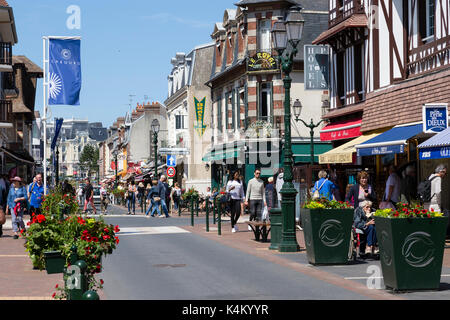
(344, 9)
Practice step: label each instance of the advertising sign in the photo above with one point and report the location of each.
(262, 61)
(316, 67)
(435, 117)
(200, 115)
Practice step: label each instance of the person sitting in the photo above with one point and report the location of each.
(363, 220)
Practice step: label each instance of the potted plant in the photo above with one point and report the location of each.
(327, 226)
(411, 241)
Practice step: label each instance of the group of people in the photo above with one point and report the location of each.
(17, 199)
(364, 199)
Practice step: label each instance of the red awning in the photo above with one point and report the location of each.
(341, 130)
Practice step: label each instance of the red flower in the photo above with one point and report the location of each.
(101, 281)
(54, 295)
(56, 287)
(116, 229)
(106, 230)
(117, 240)
(106, 237)
(40, 218)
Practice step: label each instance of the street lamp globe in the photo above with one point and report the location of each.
(155, 126)
(279, 36)
(294, 24)
(297, 108)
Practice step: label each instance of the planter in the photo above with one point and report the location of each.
(411, 251)
(327, 235)
(54, 262)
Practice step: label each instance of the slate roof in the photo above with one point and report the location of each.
(3, 3)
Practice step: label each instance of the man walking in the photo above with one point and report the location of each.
(89, 194)
(392, 191)
(256, 196)
(162, 187)
(35, 194)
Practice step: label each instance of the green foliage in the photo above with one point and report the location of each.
(89, 158)
(405, 210)
(324, 203)
(190, 194)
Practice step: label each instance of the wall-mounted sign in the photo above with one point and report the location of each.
(262, 61)
(435, 117)
(200, 115)
(316, 62)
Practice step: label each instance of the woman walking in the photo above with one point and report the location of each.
(16, 205)
(154, 200)
(132, 190)
(176, 196)
(236, 191)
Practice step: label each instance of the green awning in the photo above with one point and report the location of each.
(302, 151)
(221, 155)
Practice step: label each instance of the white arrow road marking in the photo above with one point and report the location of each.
(150, 230)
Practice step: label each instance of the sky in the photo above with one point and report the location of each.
(126, 47)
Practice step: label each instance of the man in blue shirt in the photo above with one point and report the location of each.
(36, 193)
(163, 187)
(325, 187)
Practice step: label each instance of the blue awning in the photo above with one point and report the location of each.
(437, 147)
(389, 142)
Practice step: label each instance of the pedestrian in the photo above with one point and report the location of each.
(361, 190)
(17, 204)
(80, 195)
(35, 195)
(141, 194)
(89, 196)
(104, 199)
(436, 188)
(271, 194)
(279, 185)
(162, 187)
(236, 190)
(324, 186)
(205, 198)
(392, 190)
(132, 191)
(154, 199)
(255, 198)
(176, 196)
(408, 185)
(2, 204)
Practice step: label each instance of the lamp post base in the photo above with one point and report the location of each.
(288, 241)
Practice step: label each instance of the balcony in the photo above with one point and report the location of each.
(344, 9)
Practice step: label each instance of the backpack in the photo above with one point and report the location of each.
(316, 194)
(424, 190)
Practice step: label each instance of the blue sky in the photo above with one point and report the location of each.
(126, 46)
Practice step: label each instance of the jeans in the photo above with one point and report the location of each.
(132, 203)
(235, 211)
(371, 235)
(164, 207)
(17, 220)
(152, 203)
(256, 207)
(155, 205)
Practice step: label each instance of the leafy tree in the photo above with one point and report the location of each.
(89, 159)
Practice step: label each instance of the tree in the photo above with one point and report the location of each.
(89, 159)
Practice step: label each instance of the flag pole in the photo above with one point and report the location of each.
(44, 103)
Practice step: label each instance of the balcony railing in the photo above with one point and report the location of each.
(5, 110)
(343, 10)
(5, 53)
(428, 57)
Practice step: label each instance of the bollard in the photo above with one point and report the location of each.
(275, 228)
(197, 203)
(219, 219)
(179, 207)
(214, 211)
(76, 282)
(90, 295)
(192, 211)
(207, 215)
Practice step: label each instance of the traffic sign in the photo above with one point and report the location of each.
(171, 172)
(171, 161)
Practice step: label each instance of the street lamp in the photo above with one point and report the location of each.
(115, 167)
(286, 36)
(155, 129)
(297, 111)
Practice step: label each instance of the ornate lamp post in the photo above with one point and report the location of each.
(155, 129)
(297, 111)
(115, 167)
(286, 36)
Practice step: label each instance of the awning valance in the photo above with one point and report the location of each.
(341, 130)
(437, 147)
(302, 151)
(389, 142)
(344, 153)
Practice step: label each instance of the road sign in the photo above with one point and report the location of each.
(171, 172)
(171, 161)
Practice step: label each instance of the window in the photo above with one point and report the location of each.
(340, 72)
(265, 101)
(427, 20)
(219, 114)
(264, 35)
(359, 71)
(179, 121)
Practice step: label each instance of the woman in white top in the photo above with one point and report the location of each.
(236, 191)
(436, 188)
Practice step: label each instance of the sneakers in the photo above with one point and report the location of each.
(249, 228)
(233, 230)
(299, 228)
(376, 251)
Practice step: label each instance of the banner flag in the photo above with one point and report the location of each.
(200, 114)
(58, 125)
(64, 72)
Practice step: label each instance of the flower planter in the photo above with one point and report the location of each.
(411, 251)
(54, 262)
(327, 235)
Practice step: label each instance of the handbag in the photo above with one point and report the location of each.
(265, 213)
(316, 194)
(157, 199)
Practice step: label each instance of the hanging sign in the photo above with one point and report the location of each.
(261, 61)
(435, 117)
(316, 60)
(200, 115)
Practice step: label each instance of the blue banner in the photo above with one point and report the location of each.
(65, 72)
(58, 125)
(435, 118)
(434, 153)
(399, 148)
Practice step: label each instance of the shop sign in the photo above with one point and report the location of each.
(316, 60)
(373, 151)
(261, 61)
(200, 116)
(434, 153)
(435, 117)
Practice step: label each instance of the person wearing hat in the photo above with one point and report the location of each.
(17, 204)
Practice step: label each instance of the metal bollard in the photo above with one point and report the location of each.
(192, 211)
(90, 295)
(219, 220)
(214, 211)
(76, 282)
(197, 203)
(207, 215)
(179, 207)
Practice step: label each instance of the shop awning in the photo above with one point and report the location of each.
(345, 152)
(389, 142)
(302, 151)
(341, 130)
(437, 147)
(216, 155)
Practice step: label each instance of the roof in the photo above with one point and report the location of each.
(3, 3)
(442, 139)
(354, 21)
(30, 65)
(244, 3)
